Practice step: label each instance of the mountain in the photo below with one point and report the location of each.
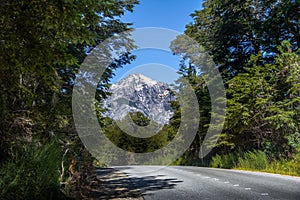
(138, 93)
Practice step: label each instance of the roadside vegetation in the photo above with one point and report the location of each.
(254, 44)
(36, 166)
(257, 161)
(42, 46)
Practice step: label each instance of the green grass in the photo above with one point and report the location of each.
(224, 161)
(34, 175)
(283, 166)
(253, 160)
(257, 161)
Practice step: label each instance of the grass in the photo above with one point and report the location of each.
(257, 161)
(253, 160)
(224, 161)
(34, 175)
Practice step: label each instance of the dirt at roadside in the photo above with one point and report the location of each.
(115, 185)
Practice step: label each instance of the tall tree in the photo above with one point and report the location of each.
(263, 110)
(234, 30)
(242, 37)
(42, 46)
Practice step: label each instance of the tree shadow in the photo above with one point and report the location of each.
(116, 184)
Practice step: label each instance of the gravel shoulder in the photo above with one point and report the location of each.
(114, 184)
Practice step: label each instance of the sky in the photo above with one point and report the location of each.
(158, 64)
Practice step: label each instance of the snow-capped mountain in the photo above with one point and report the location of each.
(138, 93)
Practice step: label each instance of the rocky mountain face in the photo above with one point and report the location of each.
(138, 93)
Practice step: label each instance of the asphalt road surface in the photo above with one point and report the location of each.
(157, 182)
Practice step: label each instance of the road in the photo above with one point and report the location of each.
(190, 183)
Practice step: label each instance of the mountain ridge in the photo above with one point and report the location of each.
(139, 93)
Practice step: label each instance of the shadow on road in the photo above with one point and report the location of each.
(115, 184)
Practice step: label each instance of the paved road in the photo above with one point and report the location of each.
(157, 182)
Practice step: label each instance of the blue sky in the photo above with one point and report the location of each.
(171, 14)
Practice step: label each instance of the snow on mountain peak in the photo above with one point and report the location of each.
(137, 92)
(136, 79)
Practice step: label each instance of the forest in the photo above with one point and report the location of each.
(254, 44)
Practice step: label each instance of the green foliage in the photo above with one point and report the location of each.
(224, 161)
(232, 31)
(284, 166)
(139, 119)
(257, 161)
(42, 46)
(253, 160)
(136, 144)
(190, 76)
(255, 45)
(261, 107)
(34, 175)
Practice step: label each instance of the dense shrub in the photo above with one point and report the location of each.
(32, 175)
(224, 161)
(253, 160)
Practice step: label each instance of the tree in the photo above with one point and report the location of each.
(242, 37)
(139, 144)
(262, 112)
(231, 31)
(42, 46)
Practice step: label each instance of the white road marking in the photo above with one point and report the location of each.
(247, 188)
(264, 194)
(226, 182)
(236, 185)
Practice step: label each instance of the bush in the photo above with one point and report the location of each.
(283, 166)
(253, 160)
(297, 158)
(34, 175)
(224, 161)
